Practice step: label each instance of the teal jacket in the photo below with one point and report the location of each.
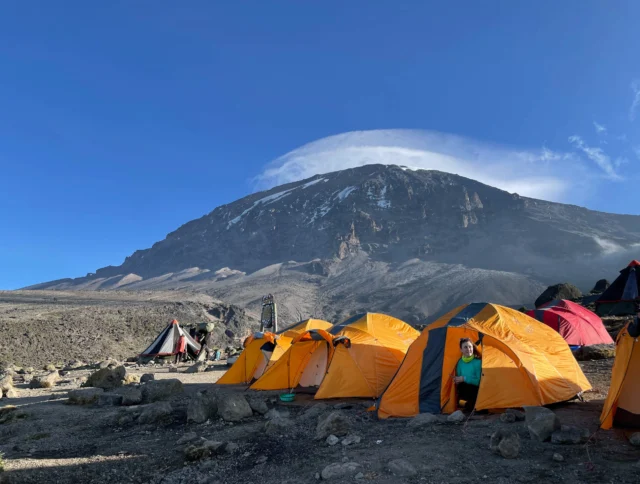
(470, 371)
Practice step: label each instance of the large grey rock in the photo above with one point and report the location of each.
(47, 381)
(401, 468)
(156, 413)
(11, 393)
(258, 405)
(130, 395)
(147, 377)
(278, 426)
(570, 435)
(558, 291)
(507, 418)
(423, 419)
(541, 422)
(202, 407)
(596, 352)
(187, 438)
(107, 378)
(154, 391)
(85, 396)
(456, 417)
(233, 407)
(109, 400)
(332, 440)
(516, 413)
(340, 470)
(601, 286)
(336, 423)
(506, 443)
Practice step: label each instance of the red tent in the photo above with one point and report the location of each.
(576, 324)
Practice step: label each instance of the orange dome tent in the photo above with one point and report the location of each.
(356, 358)
(524, 362)
(622, 406)
(261, 350)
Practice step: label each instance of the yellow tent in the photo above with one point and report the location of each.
(356, 358)
(261, 350)
(524, 362)
(622, 406)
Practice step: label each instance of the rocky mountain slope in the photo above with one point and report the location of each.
(378, 237)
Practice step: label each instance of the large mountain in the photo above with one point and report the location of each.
(411, 242)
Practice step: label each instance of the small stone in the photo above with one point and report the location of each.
(258, 405)
(507, 418)
(46, 381)
(558, 457)
(402, 468)
(147, 377)
(173, 369)
(262, 459)
(317, 476)
(506, 443)
(423, 419)
(231, 447)
(233, 407)
(6, 383)
(11, 393)
(635, 439)
(50, 367)
(456, 417)
(332, 440)
(345, 459)
(187, 438)
(359, 475)
(351, 439)
(199, 367)
(131, 378)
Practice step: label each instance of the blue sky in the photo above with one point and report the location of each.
(120, 121)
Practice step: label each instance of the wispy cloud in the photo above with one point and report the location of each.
(636, 151)
(635, 87)
(597, 155)
(600, 129)
(622, 137)
(538, 173)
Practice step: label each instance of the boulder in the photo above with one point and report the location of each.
(423, 419)
(11, 393)
(156, 390)
(258, 405)
(199, 367)
(109, 400)
(130, 395)
(202, 407)
(46, 381)
(351, 439)
(156, 413)
(505, 443)
(340, 470)
(541, 422)
(278, 426)
(233, 407)
(131, 378)
(635, 439)
(6, 383)
(456, 417)
(107, 378)
(558, 291)
(107, 364)
(401, 468)
(332, 440)
(335, 423)
(569, 434)
(596, 352)
(50, 367)
(84, 396)
(601, 286)
(517, 413)
(507, 418)
(147, 377)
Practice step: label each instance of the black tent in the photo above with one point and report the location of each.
(165, 343)
(621, 295)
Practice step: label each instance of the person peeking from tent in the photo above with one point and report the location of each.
(181, 348)
(468, 373)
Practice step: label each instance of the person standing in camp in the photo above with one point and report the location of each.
(468, 373)
(181, 348)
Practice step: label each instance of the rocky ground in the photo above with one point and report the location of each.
(41, 327)
(190, 431)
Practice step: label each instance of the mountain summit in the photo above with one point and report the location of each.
(394, 228)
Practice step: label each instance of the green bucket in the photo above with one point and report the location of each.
(287, 397)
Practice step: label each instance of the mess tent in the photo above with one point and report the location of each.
(356, 358)
(576, 324)
(166, 342)
(263, 349)
(523, 362)
(620, 297)
(622, 406)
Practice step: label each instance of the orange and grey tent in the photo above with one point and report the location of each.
(356, 358)
(165, 343)
(622, 406)
(261, 350)
(524, 362)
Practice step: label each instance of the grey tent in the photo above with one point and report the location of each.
(166, 342)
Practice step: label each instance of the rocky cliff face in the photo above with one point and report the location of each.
(389, 215)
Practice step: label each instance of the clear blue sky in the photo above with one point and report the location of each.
(120, 121)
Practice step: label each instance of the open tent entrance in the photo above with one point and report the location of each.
(316, 368)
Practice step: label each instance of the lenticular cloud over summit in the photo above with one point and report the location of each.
(538, 173)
